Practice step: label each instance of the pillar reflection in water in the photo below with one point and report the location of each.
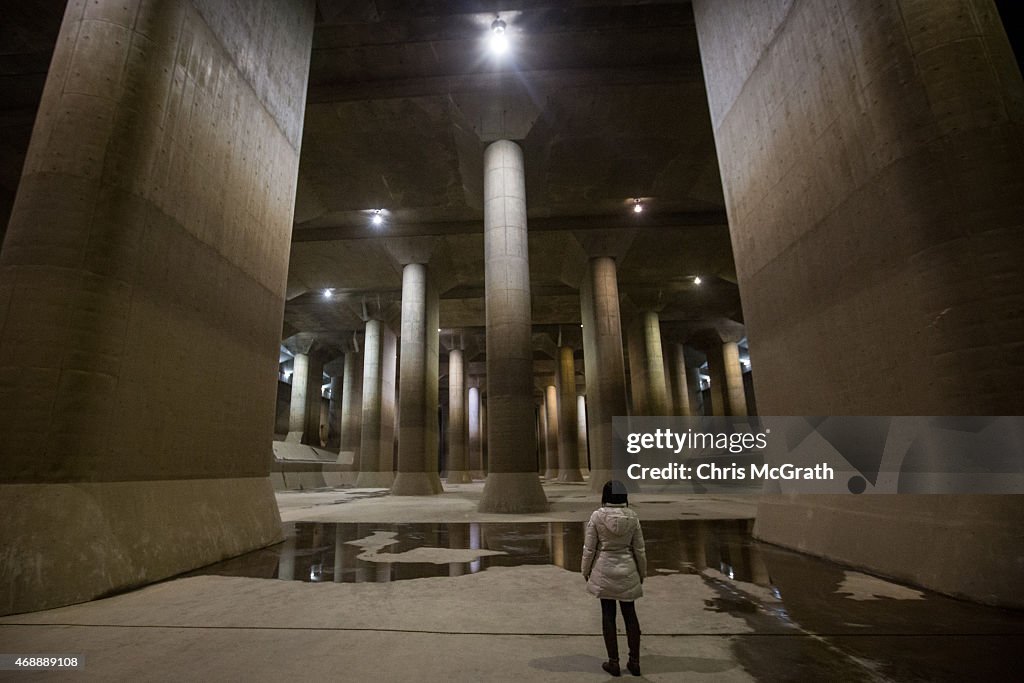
(458, 538)
(286, 562)
(673, 546)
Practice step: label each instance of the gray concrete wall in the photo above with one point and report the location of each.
(142, 283)
(871, 157)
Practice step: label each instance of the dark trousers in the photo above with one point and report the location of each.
(611, 643)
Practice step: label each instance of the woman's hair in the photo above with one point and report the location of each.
(614, 493)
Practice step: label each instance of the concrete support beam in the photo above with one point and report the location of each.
(652, 365)
(474, 432)
(568, 446)
(297, 407)
(601, 300)
(512, 484)
(153, 217)
(334, 413)
(552, 439)
(458, 461)
(582, 446)
(375, 470)
(727, 395)
(351, 408)
(680, 381)
(417, 412)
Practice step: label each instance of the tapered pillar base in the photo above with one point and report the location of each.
(416, 484)
(375, 480)
(459, 477)
(570, 475)
(513, 492)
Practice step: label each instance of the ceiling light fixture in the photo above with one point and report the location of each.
(377, 217)
(499, 38)
(637, 206)
(697, 280)
(329, 292)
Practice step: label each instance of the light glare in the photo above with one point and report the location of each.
(499, 38)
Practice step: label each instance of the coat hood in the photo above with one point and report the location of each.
(617, 521)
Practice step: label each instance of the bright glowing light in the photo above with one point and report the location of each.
(637, 206)
(499, 38)
(377, 217)
(328, 293)
(697, 280)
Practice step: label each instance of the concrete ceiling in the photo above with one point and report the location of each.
(606, 98)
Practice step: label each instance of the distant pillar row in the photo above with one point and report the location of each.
(418, 383)
(458, 462)
(512, 484)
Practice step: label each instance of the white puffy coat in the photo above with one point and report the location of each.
(614, 561)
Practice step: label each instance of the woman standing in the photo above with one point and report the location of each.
(614, 565)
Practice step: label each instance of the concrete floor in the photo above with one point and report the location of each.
(811, 621)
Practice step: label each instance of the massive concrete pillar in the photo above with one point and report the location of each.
(904, 145)
(601, 303)
(417, 394)
(680, 382)
(458, 461)
(652, 365)
(153, 217)
(551, 435)
(568, 446)
(473, 432)
(351, 409)
(298, 405)
(512, 484)
(374, 456)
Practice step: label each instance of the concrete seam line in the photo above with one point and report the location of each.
(699, 634)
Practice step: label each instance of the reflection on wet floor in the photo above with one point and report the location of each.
(809, 619)
(316, 551)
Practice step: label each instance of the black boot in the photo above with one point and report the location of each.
(612, 667)
(633, 665)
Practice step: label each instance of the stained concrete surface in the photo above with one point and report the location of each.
(729, 609)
